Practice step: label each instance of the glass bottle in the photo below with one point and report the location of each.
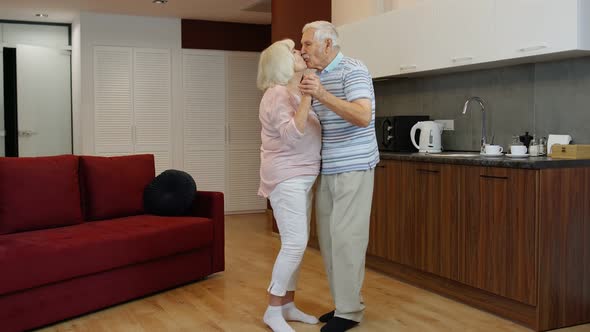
(542, 146)
(534, 147)
(516, 140)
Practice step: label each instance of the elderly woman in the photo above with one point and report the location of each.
(290, 163)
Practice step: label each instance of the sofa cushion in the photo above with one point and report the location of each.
(113, 186)
(36, 258)
(38, 193)
(171, 193)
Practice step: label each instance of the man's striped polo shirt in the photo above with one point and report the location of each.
(346, 147)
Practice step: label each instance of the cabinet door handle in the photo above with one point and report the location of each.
(429, 171)
(533, 48)
(403, 68)
(494, 177)
(381, 166)
(463, 59)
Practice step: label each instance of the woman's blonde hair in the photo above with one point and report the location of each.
(276, 65)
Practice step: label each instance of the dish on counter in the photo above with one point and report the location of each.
(500, 154)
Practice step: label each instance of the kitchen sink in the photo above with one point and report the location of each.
(455, 154)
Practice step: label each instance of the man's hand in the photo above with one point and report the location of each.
(358, 112)
(311, 85)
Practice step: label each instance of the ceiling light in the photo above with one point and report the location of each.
(160, 2)
(43, 15)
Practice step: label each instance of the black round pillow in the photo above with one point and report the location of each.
(170, 194)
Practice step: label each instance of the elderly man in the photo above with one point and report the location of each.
(344, 100)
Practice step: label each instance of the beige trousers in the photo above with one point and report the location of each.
(343, 215)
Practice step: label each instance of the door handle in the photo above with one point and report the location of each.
(428, 171)
(533, 48)
(26, 133)
(408, 67)
(462, 59)
(494, 177)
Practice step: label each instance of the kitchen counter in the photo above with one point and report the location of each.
(523, 163)
(509, 236)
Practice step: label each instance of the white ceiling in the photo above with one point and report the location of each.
(64, 11)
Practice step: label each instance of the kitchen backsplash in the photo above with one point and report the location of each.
(542, 98)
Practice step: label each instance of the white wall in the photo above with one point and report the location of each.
(76, 85)
(127, 31)
(396, 4)
(349, 11)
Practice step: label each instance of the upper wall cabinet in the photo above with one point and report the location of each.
(357, 41)
(396, 42)
(533, 27)
(436, 35)
(414, 44)
(463, 33)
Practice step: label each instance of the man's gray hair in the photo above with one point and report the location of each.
(324, 30)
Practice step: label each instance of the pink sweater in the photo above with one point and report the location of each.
(285, 151)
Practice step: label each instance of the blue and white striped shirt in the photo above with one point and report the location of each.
(346, 147)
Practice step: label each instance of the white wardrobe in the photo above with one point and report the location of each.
(220, 125)
(218, 130)
(133, 103)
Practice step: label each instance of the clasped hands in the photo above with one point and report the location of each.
(310, 85)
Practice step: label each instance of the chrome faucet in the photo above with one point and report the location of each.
(482, 103)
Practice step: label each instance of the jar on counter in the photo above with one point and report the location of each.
(534, 147)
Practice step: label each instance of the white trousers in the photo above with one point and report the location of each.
(291, 203)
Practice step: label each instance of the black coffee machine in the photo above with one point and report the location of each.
(393, 132)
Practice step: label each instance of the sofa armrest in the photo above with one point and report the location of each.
(209, 204)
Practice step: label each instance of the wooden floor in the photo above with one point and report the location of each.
(235, 300)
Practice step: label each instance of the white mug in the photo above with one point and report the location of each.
(518, 149)
(493, 149)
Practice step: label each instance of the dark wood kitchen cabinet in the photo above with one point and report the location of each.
(514, 241)
(414, 216)
(379, 225)
(498, 231)
(400, 238)
(434, 216)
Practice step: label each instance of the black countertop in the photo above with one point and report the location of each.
(526, 163)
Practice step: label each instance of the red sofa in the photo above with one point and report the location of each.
(74, 238)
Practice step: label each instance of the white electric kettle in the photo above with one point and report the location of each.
(430, 136)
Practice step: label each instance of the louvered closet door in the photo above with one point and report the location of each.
(113, 100)
(152, 105)
(204, 118)
(244, 133)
